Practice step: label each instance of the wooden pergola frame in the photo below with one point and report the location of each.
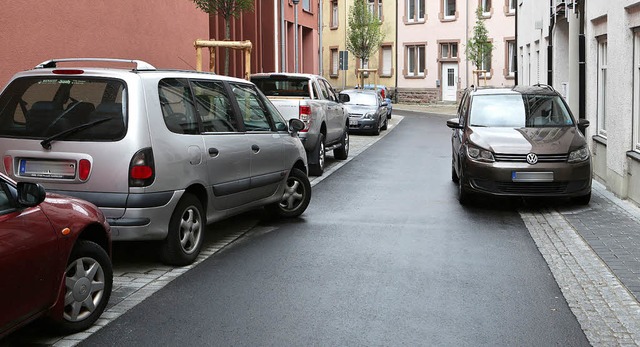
(246, 46)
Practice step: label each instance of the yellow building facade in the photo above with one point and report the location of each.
(335, 20)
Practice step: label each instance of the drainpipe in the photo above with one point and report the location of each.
(550, 46)
(320, 71)
(515, 52)
(283, 48)
(466, 39)
(395, 92)
(582, 63)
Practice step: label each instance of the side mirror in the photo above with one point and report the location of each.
(583, 123)
(385, 104)
(454, 123)
(30, 194)
(344, 98)
(295, 125)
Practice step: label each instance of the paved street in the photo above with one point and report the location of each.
(593, 253)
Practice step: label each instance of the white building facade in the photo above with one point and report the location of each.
(590, 52)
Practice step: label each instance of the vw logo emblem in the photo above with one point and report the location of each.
(532, 158)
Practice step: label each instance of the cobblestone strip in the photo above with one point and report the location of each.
(608, 314)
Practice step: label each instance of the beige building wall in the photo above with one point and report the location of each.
(334, 37)
(419, 35)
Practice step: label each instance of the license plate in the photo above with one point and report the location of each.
(531, 176)
(353, 122)
(47, 168)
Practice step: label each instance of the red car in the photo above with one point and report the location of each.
(55, 259)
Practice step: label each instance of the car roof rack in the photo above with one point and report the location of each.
(140, 65)
(544, 86)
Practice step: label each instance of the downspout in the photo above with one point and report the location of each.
(550, 46)
(320, 47)
(395, 92)
(515, 52)
(466, 40)
(283, 48)
(582, 64)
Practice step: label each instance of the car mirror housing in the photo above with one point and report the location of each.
(344, 98)
(583, 123)
(30, 194)
(454, 123)
(296, 125)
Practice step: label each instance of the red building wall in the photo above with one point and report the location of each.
(157, 31)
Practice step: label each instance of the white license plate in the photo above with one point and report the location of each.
(353, 122)
(47, 168)
(531, 176)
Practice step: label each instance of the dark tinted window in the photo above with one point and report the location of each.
(177, 106)
(214, 107)
(41, 107)
(253, 109)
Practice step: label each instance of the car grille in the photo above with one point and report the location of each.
(521, 188)
(522, 158)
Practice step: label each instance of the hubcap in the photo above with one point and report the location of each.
(190, 230)
(84, 282)
(346, 141)
(321, 155)
(293, 195)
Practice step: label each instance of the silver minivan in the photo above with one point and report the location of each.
(161, 152)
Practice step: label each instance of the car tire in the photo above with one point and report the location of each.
(318, 158)
(89, 266)
(454, 175)
(582, 200)
(186, 232)
(464, 196)
(389, 115)
(386, 124)
(342, 152)
(296, 197)
(376, 131)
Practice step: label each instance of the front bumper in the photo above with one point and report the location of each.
(362, 124)
(544, 179)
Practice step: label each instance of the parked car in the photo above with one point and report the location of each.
(384, 93)
(161, 152)
(520, 141)
(312, 99)
(367, 111)
(54, 259)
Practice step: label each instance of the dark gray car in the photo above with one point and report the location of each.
(367, 111)
(520, 141)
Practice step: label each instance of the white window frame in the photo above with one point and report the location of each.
(446, 9)
(335, 61)
(484, 66)
(512, 6)
(306, 5)
(418, 13)
(511, 52)
(602, 88)
(486, 7)
(416, 58)
(334, 14)
(636, 90)
(375, 8)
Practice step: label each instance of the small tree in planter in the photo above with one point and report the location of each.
(478, 46)
(364, 34)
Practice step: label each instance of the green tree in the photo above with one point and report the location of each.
(478, 46)
(364, 33)
(226, 9)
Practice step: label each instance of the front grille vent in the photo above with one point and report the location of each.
(522, 158)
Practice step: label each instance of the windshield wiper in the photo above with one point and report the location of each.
(46, 143)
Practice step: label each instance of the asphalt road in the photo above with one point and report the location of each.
(384, 255)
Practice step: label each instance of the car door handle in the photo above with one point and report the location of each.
(255, 148)
(213, 152)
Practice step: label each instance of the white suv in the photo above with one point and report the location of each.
(162, 153)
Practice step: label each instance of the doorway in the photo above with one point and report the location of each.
(449, 81)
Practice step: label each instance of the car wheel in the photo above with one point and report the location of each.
(389, 115)
(464, 196)
(186, 229)
(386, 124)
(88, 281)
(296, 197)
(343, 152)
(376, 131)
(582, 200)
(317, 168)
(454, 175)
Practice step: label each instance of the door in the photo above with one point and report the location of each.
(449, 81)
(28, 260)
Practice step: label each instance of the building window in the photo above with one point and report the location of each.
(485, 65)
(512, 6)
(334, 14)
(449, 50)
(602, 87)
(636, 91)
(486, 7)
(449, 9)
(375, 8)
(415, 61)
(415, 11)
(511, 58)
(306, 5)
(387, 61)
(335, 60)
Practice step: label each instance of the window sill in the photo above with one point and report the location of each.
(599, 139)
(509, 77)
(333, 28)
(448, 19)
(415, 22)
(634, 155)
(334, 76)
(412, 77)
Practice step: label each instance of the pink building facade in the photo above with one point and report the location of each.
(159, 32)
(432, 37)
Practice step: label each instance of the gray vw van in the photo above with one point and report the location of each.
(161, 152)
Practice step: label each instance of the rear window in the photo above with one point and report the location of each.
(519, 111)
(288, 86)
(86, 109)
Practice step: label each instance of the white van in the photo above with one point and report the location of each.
(160, 152)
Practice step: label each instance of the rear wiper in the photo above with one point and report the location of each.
(46, 143)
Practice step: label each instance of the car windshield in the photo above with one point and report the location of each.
(42, 107)
(519, 111)
(368, 99)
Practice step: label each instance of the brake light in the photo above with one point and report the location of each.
(68, 72)
(142, 168)
(7, 164)
(305, 116)
(84, 169)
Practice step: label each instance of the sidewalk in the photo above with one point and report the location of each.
(594, 254)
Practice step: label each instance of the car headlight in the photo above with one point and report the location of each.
(369, 115)
(579, 155)
(480, 154)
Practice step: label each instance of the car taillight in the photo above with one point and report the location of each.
(84, 169)
(142, 168)
(7, 164)
(382, 93)
(305, 116)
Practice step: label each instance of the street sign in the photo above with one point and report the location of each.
(344, 60)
